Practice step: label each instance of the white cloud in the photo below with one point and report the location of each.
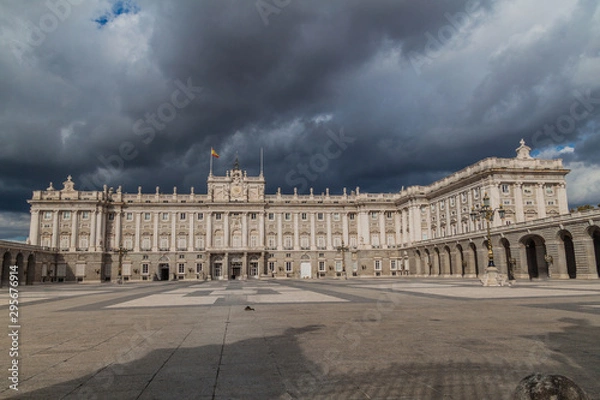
(583, 184)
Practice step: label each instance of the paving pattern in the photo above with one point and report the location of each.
(402, 338)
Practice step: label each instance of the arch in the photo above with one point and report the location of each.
(535, 253)
(449, 258)
(595, 234)
(510, 262)
(418, 262)
(30, 270)
(428, 262)
(6, 262)
(569, 249)
(305, 257)
(473, 248)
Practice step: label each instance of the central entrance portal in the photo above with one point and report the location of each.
(164, 272)
(236, 270)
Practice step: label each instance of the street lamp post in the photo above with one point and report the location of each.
(486, 212)
(343, 249)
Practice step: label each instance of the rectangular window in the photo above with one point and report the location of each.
(271, 266)
(129, 216)
(253, 241)
(351, 216)
(165, 216)
(321, 266)
(336, 216)
(147, 216)
(288, 266)
(271, 241)
(304, 242)
(271, 217)
(182, 243)
(182, 216)
(181, 268)
(391, 240)
(304, 216)
(338, 266)
(85, 215)
(549, 190)
(374, 215)
(505, 189)
(146, 244)
(287, 242)
(287, 216)
(389, 214)
(67, 215)
(47, 215)
(375, 240)
(452, 201)
(198, 268)
(200, 243)
(320, 216)
(145, 269)
(200, 216)
(164, 244)
(218, 216)
(321, 242)
(128, 243)
(253, 216)
(352, 241)
(337, 241)
(377, 265)
(393, 265)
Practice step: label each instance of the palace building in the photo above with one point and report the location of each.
(237, 231)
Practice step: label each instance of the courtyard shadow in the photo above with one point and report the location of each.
(276, 367)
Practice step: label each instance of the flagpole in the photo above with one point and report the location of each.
(261, 162)
(211, 162)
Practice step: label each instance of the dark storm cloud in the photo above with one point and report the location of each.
(412, 90)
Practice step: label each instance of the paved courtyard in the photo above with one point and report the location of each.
(320, 339)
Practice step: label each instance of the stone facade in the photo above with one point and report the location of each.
(236, 231)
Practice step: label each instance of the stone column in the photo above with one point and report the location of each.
(100, 230)
(541, 200)
(313, 234)
(345, 237)
(73, 245)
(382, 233)
(520, 215)
(55, 229)
(398, 228)
(34, 227)
(208, 239)
(155, 232)
(93, 230)
(261, 229)
(173, 246)
(279, 231)
(296, 232)
(118, 228)
(191, 244)
(244, 230)
(226, 229)
(328, 225)
(404, 227)
(138, 231)
(561, 195)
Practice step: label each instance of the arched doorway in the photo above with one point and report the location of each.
(30, 271)
(596, 238)
(535, 252)
(510, 262)
(473, 248)
(6, 260)
(449, 258)
(569, 248)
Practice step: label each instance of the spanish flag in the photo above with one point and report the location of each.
(213, 153)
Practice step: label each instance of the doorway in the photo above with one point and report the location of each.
(236, 270)
(164, 272)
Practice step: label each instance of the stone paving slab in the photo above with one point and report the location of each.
(326, 339)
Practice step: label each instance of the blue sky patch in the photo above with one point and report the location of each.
(118, 8)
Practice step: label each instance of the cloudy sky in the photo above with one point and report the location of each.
(343, 93)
